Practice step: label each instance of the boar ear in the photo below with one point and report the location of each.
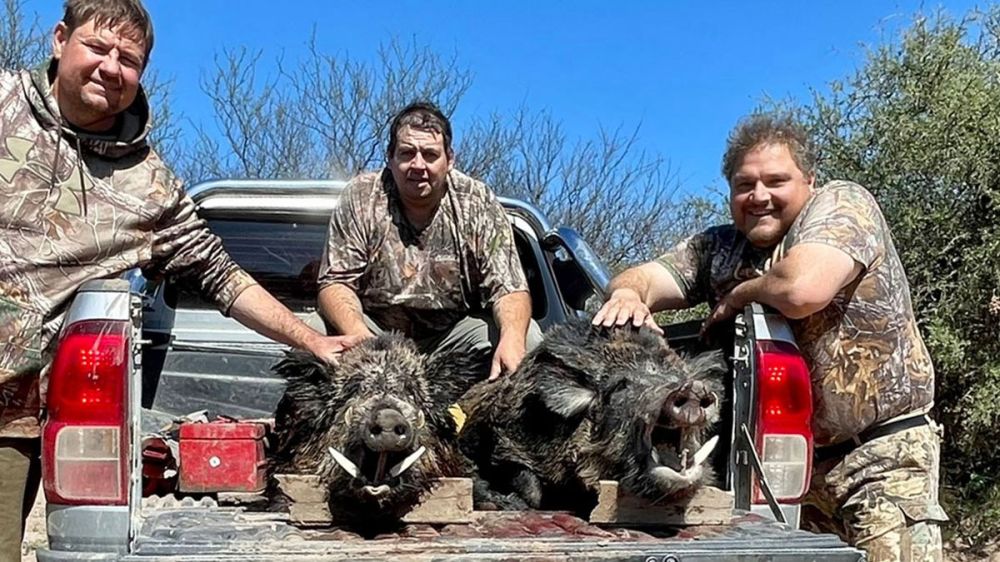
(452, 372)
(565, 364)
(564, 395)
(307, 379)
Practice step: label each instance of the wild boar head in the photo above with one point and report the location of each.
(375, 427)
(644, 414)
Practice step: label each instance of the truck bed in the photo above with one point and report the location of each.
(213, 533)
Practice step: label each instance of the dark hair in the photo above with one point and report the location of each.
(128, 14)
(762, 129)
(422, 115)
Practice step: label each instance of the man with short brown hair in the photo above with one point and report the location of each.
(825, 259)
(423, 249)
(83, 196)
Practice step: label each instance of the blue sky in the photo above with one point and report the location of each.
(684, 71)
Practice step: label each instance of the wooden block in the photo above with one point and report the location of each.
(310, 514)
(307, 499)
(707, 506)
(301, 487)
(448, 502)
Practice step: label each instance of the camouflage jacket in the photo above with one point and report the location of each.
(421, 282)
(867, 359)
(75, 207)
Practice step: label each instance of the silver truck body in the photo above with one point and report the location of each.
(187, 356)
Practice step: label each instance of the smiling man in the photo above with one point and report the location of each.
(422, 249)
(83, 196)
(825, 259)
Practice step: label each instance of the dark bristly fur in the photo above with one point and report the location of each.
(577, 411)
(329, 405)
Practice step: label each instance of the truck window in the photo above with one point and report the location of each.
(282, 256)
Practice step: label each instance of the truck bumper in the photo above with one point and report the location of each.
(85, 532)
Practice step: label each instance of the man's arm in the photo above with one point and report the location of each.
(183, 245)
(256, 309)
(512, 313)
(636, 293)
(801, 284)
(340, 305)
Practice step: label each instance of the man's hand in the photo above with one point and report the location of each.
(507, 357)
(625, 305)
(258, 310)
(727, 308)
(329, 348)
(512, 313)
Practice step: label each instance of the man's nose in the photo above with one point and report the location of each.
(111, 65)
(419, 162)
(760, 192)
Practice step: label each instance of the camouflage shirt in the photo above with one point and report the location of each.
(420, 282)
(867, 359)
(75, 207)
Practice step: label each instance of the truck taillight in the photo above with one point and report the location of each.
(784, 416)
(85, 437)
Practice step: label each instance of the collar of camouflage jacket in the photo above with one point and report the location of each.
(127, 137)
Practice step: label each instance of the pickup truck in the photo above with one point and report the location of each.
(133, 356)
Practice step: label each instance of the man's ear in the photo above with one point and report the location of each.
(812, 182)
(60, 35)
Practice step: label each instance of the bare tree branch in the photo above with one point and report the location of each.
(23, 43)
(327, 115)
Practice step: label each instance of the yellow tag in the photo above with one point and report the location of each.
(458, 415)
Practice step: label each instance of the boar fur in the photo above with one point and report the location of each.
(358, 422)
(589, 404)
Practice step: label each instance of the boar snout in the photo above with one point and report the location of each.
(388, 431)
(689, 405)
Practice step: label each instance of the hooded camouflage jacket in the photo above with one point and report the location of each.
(867, 360)
(75, 207)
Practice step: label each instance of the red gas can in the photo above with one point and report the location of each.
(222, 456)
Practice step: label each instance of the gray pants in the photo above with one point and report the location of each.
(477, 333)
(20, 474)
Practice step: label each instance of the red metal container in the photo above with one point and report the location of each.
(222, 457)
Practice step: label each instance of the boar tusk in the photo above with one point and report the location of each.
(655, 455)
(347, 465)
(705, 450)
(407, 462)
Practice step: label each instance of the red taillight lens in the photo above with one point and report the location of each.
(784, 418)
(85, 438)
